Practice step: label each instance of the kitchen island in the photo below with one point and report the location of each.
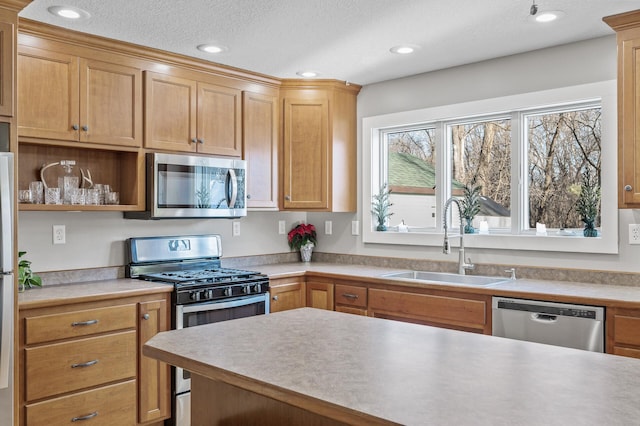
(309, 366)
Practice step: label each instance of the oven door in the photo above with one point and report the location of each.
(211, 312)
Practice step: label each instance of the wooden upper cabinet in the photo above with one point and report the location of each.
(306, 152)
(7, 50)
(170, 112)
(319, 146)
(64, 97)
(190, 116)
(627, 27)
(260, 147)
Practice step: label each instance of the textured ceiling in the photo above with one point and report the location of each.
(340, 39)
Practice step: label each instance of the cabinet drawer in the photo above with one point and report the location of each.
(351, 295)
(626, 330)
(69, 366)
(112, 405)
(48, 328)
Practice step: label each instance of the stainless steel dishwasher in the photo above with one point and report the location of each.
(560, 324)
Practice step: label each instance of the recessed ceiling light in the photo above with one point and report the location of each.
(307, 74)
(69, 12)
(548, 16)
(212, 48)
(404, 49)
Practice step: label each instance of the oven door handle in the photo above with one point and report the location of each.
(212, 306)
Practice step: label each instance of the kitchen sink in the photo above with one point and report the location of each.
(445, 278)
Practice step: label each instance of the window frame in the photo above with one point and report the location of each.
(516, 106)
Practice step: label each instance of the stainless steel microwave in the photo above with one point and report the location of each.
(182, 186)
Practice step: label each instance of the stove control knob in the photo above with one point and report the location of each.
(246, 289)
(209, 294)
(257, 288)
(228, 291)
(194, 295)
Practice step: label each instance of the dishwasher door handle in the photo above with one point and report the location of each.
(544, 318)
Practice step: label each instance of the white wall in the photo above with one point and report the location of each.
(573, 64)
(97, 239)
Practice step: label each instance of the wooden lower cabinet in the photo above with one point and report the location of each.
(351, 299)
(287, 293)
(320, 294)
(83, 362)
(623, 332)
(458, 311)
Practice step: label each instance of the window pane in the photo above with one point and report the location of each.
(481, 155)
(411, 159)
(561, 146)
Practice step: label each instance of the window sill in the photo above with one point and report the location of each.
(496, 241)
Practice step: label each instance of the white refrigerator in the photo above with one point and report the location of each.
(7, 285)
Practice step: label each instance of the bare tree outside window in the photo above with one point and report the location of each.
(481, 155)
(560, 147)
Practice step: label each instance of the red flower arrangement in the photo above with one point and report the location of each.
(301, 235)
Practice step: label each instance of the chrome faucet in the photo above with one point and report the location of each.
(446, 249)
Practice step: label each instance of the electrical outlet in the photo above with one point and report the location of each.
(328, 227)
(634, 233)
(355, 227)
(59, 234)
(236, 228)
(281, 227)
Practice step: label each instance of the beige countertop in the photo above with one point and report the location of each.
(62, 294)
(621, 295)
(609, 294)
(406, 373)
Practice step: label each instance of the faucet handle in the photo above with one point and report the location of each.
(513, 273)
(468, 264)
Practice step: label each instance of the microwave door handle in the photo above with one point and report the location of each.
(233, 181)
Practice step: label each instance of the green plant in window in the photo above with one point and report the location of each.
(588, 203)
(26, 277)
(380, 207)
(470, 205)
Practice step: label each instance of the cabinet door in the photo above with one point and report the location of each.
(170, 112)
(7, 37)
(154, 391)
(287, 296)
(48, 88)
(306, 151)
(219, 120)
(260, 146)
(320, 295)
(629, 126)
(111, 103)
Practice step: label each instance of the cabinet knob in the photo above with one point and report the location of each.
(75, 127)
(194, 140)
(145, 317)
(287, 197)
(275, 298)
(201, 141)
(248, 196)
(628, 188)
(85, 128)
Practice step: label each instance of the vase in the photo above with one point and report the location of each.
(468, 228)
(381, 227)
(589, 229)
(306, 251)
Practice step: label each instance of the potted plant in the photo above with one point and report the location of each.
(380, 205)
(26, 277)
(303, 237)
(470, 206)
(588, 203)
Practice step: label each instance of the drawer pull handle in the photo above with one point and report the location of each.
(90, 322)
(85, 364)
(87, 417)
(350, 295)
(146, 316)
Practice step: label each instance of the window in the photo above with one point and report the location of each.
(528, 158)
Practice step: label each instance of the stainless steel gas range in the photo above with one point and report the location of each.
(204, 292)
